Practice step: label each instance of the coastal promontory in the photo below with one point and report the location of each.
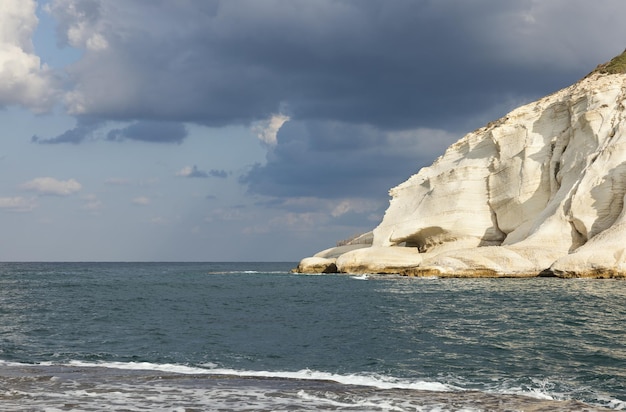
(539, 192)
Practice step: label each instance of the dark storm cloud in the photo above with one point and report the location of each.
(393, 64)
(375, 89)
(368, 162)
(150, 131)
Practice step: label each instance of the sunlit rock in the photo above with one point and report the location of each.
(540, 191)
(379, 260)
(316, 265)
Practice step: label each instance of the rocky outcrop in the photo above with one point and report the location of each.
(539, 192)
(325, 261)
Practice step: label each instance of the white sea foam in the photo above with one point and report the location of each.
(540, 391)
(9, 363)
(169, 396)
(376, 381)
(99, 392)
(77, 385)
(161, 367)
(532, 393)
(355, 402)
(617, 404)
(372, 380)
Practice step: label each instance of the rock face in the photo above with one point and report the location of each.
(540, 191)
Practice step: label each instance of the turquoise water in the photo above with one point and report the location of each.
(252, 336)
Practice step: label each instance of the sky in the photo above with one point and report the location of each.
(254, 130)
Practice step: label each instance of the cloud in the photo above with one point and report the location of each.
(340, 170)
(349, 98)
(396, 64)
(85, 129)
(150, 131)
(141, 201)
(334, 160)
(222, 174)
(90, 128)
(23, 79)
(17, 204)
(91, 203)
(52, 187)
(193, 171)
(354, 205)
(289, 221)
(80, 27)
(266, 130)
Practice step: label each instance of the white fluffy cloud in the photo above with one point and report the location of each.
(267, 130)
(80, 23)
(51, 186)
(23, 79)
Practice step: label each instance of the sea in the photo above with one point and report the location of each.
(255, 337)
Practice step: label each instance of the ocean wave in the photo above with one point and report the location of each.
(371, 380)
(304, 388)
(357, 379)
(540, 389)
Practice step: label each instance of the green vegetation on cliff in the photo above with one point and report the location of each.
(615, 66)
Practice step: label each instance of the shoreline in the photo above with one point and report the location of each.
(425, 272)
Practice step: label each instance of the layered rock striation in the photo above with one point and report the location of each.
(538, 192)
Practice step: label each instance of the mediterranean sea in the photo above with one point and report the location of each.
(254, 337)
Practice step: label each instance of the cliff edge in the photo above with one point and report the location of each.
(538, 192)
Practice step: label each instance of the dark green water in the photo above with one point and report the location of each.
(546, 338)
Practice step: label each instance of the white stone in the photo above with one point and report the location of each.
(379, 260)
(316, 265)
(335, 252)
(542, 188)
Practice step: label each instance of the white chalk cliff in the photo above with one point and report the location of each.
(538, 192)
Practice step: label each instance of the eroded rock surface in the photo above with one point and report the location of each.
(539, 191)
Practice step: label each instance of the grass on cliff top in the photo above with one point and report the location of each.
(615, 66)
